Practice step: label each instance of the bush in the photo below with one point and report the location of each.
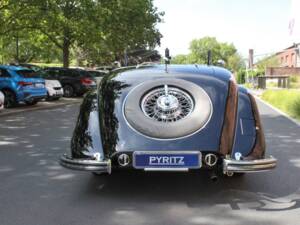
(286, 100)
(241, 77)
(256, 73)
(294, 81)
(295, 108)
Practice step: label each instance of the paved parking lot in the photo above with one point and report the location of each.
(21, 108)
(35, 189)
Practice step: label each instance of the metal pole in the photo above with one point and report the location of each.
(209, 58)
(17, 48)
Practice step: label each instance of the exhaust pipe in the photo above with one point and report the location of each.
(213, 177)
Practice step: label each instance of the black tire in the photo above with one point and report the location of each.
(31, 102)
(234, 175)
(48, 98)
(68, 91)
(9, 99)
(194, 122)
(99, 174)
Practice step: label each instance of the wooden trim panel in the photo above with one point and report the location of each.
(229, 124)
(259, 148)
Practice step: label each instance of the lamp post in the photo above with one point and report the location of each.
(17, 47)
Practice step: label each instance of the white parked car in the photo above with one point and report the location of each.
(54, 89)
(1, 100)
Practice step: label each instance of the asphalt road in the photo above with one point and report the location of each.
(34, 189)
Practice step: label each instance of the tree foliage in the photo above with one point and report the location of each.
(93, 30)
(180, 59)
(219, 51)
(271, 61)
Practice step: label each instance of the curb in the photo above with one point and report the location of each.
(279, 111)
(50, 106)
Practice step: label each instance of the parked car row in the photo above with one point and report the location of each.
(29, 84)
(75, 82)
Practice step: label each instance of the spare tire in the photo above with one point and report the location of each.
(167, 108)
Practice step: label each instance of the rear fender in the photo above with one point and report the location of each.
(249, 138)
(86, 141)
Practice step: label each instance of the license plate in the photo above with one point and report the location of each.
(142, 160)
(39, 85)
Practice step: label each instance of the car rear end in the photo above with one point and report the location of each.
(29, 86)
(87, 82)
(189, 118)
(54, 89)
(1, 100)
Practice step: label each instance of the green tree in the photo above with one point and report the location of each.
(219, 51)
(180, 59)
(235, 62)
(95, 28)
(270, 61)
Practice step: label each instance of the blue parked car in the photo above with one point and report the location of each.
(19, 84)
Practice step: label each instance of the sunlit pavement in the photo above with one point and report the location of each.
(21, 108)
(34, 189)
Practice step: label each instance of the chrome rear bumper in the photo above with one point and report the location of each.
(86, 164)
(246, 166)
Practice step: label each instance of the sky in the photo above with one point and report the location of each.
(259, 24)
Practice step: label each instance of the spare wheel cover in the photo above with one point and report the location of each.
(171, 117)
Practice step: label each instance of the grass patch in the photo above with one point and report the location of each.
(286, 100)
(294, 81)
(248, 85)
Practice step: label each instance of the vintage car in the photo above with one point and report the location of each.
(175, 118)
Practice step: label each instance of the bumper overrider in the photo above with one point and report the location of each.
(245, 166)
(92, 165)
(229, 166)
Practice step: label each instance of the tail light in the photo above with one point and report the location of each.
(24, 83)
(87, 81)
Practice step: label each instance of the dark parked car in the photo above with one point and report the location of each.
(75, 82)
(30, 66)
(186, 118)
(98, 74)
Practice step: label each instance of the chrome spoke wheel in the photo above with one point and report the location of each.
(167, 104)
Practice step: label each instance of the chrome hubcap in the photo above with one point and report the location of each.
(167, 104)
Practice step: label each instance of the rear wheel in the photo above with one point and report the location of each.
(68, 91)
(10, 99)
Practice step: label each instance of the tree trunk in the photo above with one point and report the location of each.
(66, 52)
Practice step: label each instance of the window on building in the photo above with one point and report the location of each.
(293, 61)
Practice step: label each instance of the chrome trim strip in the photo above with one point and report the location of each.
(245, 166)
(85, 164)
(166, 152)
(167, 169)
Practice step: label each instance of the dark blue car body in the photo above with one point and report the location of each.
(230, 139)
(19, 83)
